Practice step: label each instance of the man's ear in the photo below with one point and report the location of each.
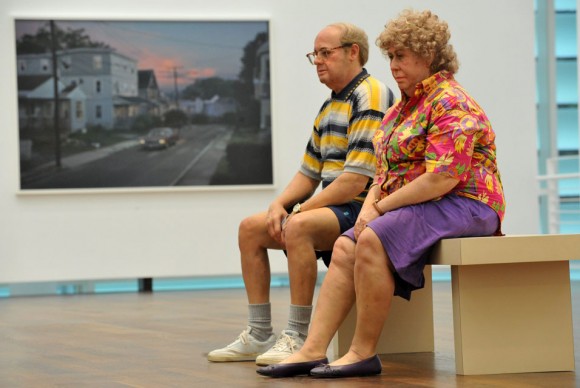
(354, 52)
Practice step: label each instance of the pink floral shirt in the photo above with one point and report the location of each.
(441, 130)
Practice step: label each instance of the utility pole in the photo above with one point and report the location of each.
(56, 122)
(176, 91)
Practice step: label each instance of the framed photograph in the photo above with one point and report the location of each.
(105, 104)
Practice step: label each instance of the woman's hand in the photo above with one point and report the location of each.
(366, 215)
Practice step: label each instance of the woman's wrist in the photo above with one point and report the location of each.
(377, 207)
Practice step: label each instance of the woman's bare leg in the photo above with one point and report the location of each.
(334, 302)
(374, 286)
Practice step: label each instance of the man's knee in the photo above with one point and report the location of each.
(322, 228)
(296, 229)
(251, 226)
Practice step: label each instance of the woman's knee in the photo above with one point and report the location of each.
(368, 248)
(343, 252)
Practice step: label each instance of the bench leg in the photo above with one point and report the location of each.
(408, 329)
(512, 318)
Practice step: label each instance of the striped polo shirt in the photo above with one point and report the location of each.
(343, 130)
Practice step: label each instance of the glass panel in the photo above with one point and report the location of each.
(570, 216)
(568, 129)
(568, 165)
(566, 82)
(569, 187)
(566, 40)
(565, 5)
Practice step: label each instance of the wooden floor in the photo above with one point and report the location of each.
(161, 340)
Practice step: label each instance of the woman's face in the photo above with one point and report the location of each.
(408, 69)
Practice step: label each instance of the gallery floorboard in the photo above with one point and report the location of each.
(161, 340)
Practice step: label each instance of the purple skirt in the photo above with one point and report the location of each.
(408, 234)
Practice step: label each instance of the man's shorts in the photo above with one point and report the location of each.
(347, 215)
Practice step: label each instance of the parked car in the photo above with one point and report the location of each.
(162, 137)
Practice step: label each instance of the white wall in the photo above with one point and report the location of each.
(191, 233)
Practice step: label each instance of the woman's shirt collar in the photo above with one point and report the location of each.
(429, 84)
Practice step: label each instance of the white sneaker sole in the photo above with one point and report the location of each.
(232, 358)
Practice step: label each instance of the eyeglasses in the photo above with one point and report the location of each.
(324, 53)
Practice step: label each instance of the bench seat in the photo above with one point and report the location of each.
(512, 310)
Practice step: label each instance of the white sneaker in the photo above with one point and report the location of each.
(288, 342)
(244, 348)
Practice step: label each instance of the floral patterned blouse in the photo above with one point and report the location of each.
(441, 130)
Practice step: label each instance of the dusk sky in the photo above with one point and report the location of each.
(196, 49)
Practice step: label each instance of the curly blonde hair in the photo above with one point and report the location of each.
(424, 34)
(354, 34)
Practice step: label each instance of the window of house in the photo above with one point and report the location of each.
(79, 110)
(97, 62)
(45, 65)
(65, 63)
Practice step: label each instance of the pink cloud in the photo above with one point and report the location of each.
(201, 73)
(166, 68)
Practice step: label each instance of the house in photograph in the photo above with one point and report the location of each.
(150, 92)
(218, 106)
(213, 108)
(36, 104)
(148, 87)
(262, 84)
(108, 79)
(103, 74)
(192, 107)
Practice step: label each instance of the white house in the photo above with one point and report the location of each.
(36, 104)
(101, 73)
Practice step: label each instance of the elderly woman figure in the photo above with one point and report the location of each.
(436, 177)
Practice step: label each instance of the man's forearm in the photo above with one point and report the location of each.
(299, 188)
(342, 190)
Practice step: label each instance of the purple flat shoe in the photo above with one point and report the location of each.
(290, 370)
(369, 367)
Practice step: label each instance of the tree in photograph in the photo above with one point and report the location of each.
(249, 106)
(41, 41)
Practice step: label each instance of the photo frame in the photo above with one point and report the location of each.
(143, 104)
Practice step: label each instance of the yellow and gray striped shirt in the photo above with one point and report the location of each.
(343, 130)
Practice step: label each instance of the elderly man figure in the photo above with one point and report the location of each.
(339, 154)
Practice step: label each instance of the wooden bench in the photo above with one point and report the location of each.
(512, 310)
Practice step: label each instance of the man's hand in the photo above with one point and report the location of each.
(276, 215)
